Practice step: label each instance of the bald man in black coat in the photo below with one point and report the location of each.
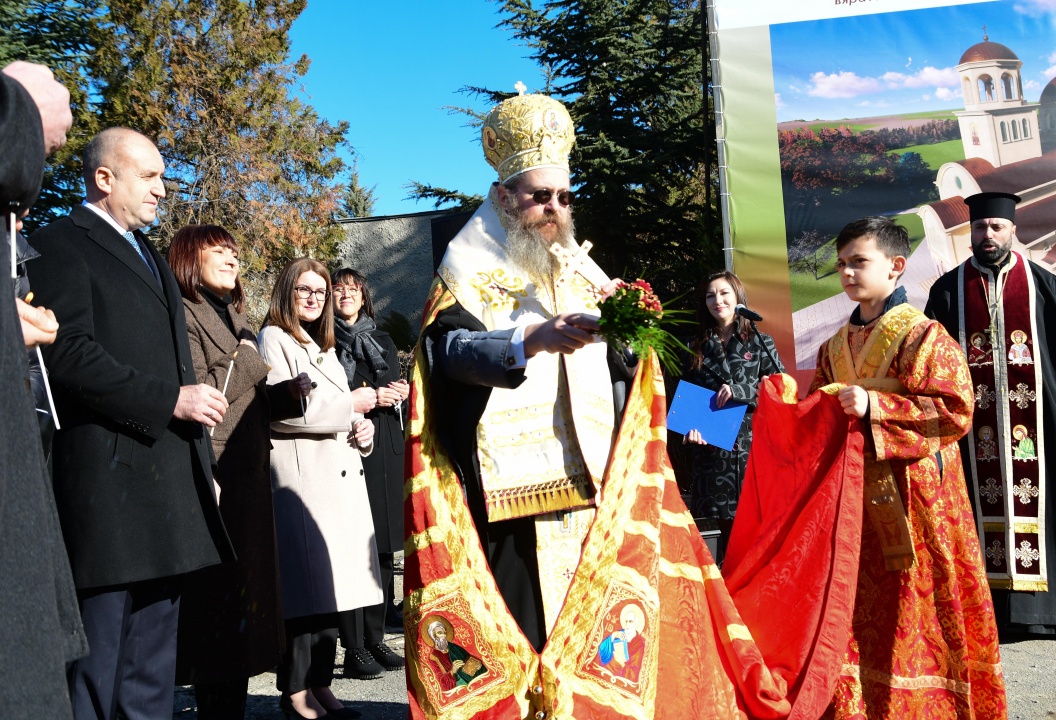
(132, 474)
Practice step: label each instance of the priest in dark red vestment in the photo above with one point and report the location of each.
(994, 305)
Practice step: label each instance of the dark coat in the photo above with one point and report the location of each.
(132, 483)
(384, 466)
(40, 624)
(21, 147)
(231, 623)
(717, 474)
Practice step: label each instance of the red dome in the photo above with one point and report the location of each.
(1048, 95)
(987, 50)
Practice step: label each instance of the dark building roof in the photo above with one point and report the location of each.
(1048, 95)
(951, 211)
(976, 167)
(1033, 221)
(1018, 176)
(987, 50)
(1036, 220)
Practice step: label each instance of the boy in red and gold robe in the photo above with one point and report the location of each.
(923, 641)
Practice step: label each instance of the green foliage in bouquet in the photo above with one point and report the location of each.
(631, 317)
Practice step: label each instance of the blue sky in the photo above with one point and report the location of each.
(904, 62)
(389, 70)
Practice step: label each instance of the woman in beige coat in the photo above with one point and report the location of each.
(327, 553)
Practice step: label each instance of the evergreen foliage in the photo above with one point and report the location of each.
(55, 33)
(43, 31)
(213, 83)
(358, 201)
(454, 199)
(632, 74)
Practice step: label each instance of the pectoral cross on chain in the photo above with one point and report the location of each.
(991, 331)
(571, 263)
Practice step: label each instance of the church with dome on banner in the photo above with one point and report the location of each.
(1009, 146)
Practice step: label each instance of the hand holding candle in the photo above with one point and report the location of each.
(39, 326)
(227, 379)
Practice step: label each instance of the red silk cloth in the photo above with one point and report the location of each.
(771, 649)
(699, 661)
(792, 562)
(852, 639)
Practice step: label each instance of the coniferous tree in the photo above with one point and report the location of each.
(633, 76)
(630, 72)
(213, 83)
(453, 199)
(55, 33)
(358, 201)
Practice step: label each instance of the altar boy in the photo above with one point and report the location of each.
(923, 636)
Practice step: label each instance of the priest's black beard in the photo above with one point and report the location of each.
(995, 257)
(529, 250)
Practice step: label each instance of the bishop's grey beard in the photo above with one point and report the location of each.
(441, 644)
(529, 249)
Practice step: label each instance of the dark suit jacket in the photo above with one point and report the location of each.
(133, 485)
(21, 147)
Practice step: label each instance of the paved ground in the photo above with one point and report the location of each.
(1030, 675)
(1029, 670)
(382, 699)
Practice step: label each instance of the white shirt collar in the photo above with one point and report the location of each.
(105, 216)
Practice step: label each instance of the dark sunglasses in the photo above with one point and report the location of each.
(565, 197)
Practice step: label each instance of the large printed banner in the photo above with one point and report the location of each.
(830, 110)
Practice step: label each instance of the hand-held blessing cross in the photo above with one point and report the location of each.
(571, 263)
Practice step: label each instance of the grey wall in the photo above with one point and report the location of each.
(396, 255)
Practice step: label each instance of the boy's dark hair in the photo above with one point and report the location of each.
(891, 239)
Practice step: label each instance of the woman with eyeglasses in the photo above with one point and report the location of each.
(369, 358)
(327, 554)
(231, 625)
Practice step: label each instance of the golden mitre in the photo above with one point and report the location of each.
(527, 132)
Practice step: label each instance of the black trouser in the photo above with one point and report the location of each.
(365, 627)
(130, 669)
(311, 645)
(225, 700)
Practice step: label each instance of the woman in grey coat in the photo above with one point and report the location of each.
(327, 553)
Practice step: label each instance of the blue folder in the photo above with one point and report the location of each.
(693, 407)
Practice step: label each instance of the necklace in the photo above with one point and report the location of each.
(993, 307)
(725, 333)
